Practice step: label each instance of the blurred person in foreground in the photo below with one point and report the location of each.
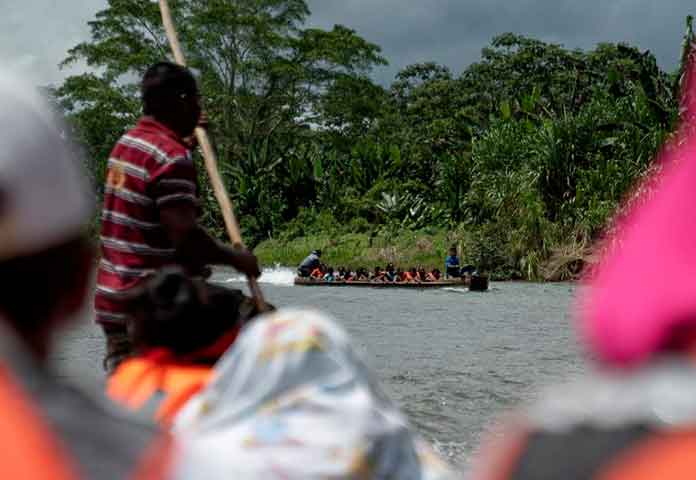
(635, 417)
(49, 430)
(151, 205)
(289, 399)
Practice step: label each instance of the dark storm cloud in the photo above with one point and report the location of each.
(453, 32)
(35, 34)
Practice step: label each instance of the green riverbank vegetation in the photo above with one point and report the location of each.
(520, 159)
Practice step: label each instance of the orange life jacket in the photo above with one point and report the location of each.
(316, 273)
(665, 456)
(156, 385)
(408, 277)
(29, 449)
(668, 456)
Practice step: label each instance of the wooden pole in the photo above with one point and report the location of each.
(211, 166)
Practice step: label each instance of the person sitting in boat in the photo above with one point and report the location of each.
(422, 275)
(433, 276)
(174, 361)
(309, 264)
(362, 275)
(390, 273)
(377, 276)
(319, 272)
(342, 274)
(411, 276)
(452, 267)
(330, 275)
(399, 276)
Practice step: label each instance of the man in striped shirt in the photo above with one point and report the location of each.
(149, 218)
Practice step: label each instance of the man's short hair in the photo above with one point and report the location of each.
(163, 82)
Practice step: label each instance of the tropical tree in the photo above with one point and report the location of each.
(262, 73)
(526, 153)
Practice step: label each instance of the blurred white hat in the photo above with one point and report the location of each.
(44, 199)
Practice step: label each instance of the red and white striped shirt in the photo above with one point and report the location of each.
(149, 167)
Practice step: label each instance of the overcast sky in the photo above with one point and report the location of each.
(35, 34)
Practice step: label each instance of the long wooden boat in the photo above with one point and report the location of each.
(478, 284)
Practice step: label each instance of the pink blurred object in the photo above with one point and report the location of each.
(645, 288)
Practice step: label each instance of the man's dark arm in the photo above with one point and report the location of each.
(195, 247)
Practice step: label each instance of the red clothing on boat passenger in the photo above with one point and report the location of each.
(317, 274)
(149, 216)
(149, 167)
(433, 276)
(411, 276)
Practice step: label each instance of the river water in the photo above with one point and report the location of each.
(451, 359)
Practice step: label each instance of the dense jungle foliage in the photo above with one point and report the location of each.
(520, 159)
